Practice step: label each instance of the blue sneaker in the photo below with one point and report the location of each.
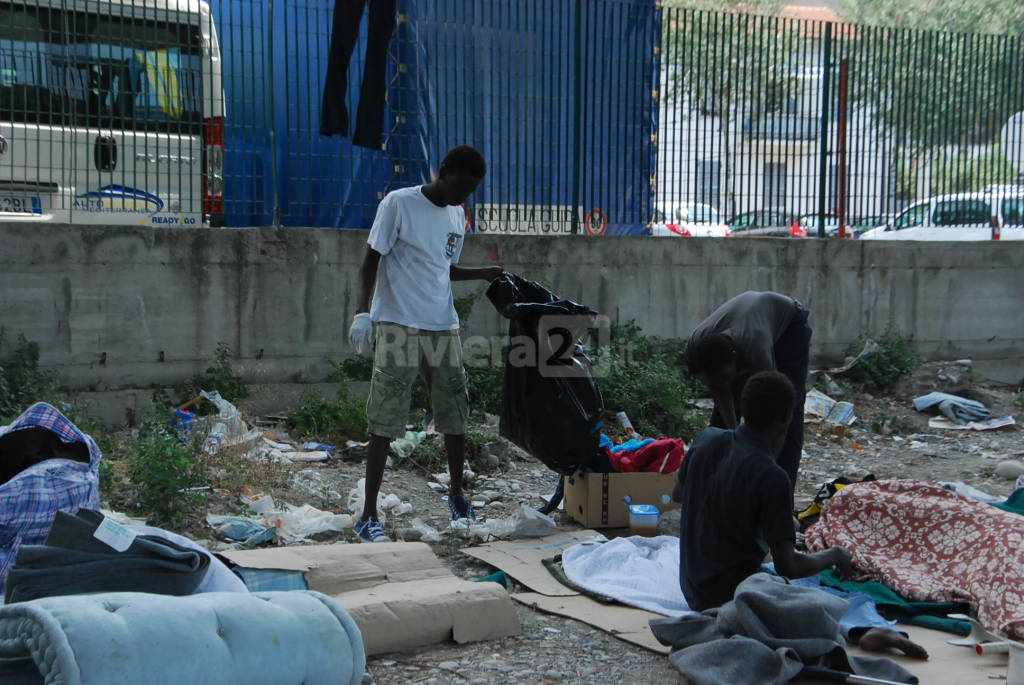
(461, 508)
(371, 530)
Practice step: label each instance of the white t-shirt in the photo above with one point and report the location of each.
(419, 242)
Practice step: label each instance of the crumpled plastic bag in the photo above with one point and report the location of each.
(227, 429)
(527, 522)
(403, 447)
(386, 503)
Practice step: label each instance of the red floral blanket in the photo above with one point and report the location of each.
(932, 545)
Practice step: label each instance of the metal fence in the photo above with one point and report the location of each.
(595, 116)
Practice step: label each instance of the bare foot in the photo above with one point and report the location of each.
(877, 639)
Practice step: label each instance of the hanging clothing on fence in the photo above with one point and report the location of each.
(334, 119)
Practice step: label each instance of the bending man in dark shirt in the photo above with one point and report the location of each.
(736, 504)
(755, 331)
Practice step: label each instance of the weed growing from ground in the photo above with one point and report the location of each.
(647, 378)
(336, 421)
(894, 360)
(890, 424)
(22, 382)
(162, 468)
(219, 376)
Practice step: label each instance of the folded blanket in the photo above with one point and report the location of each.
(638, 571)
(932, 545)
(766, 635)
(270, 638)
(75, 561)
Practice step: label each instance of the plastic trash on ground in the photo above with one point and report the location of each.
(233, 527)
(427, 532)
(227, 429)
(820, 407)
(258, 502)
(313, 483)
(299, 523)
(386, 503)
(526, 523)
(403, 447)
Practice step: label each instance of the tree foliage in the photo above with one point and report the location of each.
(929, 74)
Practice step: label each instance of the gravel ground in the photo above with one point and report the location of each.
(889, 440)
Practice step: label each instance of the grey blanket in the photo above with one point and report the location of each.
(74, 562)
(959, 409)
(766, 635)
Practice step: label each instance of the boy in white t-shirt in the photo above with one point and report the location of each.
(411, 261)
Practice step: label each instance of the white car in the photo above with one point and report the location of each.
(687, 220)
(111, 112)
(958, 216)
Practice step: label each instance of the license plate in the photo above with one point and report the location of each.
(20, 205)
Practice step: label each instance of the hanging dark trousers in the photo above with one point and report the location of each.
(334, 118)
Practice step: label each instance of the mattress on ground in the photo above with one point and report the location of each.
(272, 638)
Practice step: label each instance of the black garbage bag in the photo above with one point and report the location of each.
(552, 405)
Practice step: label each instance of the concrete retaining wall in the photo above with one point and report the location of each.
(120, 307)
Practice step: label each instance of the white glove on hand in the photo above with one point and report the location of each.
(360, 334)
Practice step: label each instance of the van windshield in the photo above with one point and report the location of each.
(80, 69)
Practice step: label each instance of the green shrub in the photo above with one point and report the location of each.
(219, 376)
(894, 360)
(335, 421)
(22, 382)
(163, 468)
(646, 377)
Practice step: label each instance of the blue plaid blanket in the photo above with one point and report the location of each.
(30, 501)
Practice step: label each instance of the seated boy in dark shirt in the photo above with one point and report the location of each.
(736, 508)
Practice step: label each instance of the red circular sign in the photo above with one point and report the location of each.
(596, 216)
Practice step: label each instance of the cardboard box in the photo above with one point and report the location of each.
(399, 593)
(595, 499)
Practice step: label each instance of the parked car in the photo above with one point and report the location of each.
(958, 216)
(689, 220)
(809, 223)
(766, 222)
(111, 112)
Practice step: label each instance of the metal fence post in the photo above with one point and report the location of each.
(271, 114)
(577, 113)
(823, 148)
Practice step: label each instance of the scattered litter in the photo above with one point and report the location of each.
(869, 350)
(1010, 469)
(317, 446)
(233, 527)
(553, 631)
(258, 502)
(820, 407)
(299, 523)
(442, 478)
(313, 483)
(426, 532)
(526, 523)
(957, 409)
(436, 487)
(961, 488)
(291, 525)
(926, 436)
(228, 429)
(349, 444)
(386, 503)
(944, 423)
(403, 447)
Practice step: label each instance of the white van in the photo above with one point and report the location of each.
(958, 216)
(111, 112)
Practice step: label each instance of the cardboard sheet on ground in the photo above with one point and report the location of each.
(625, 623)
(522, 559)
(946, 663)
(399, 593)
